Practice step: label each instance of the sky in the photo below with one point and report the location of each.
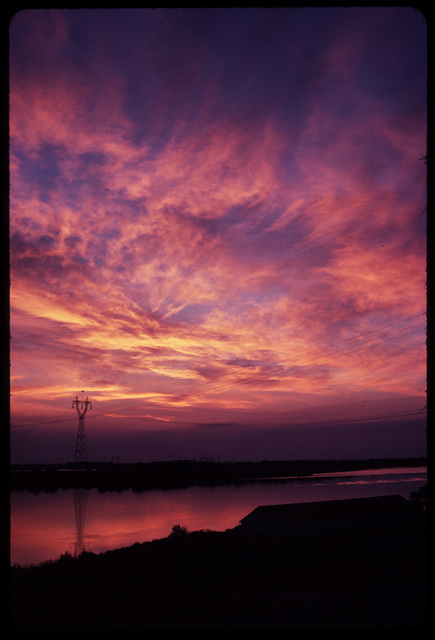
(218, 233)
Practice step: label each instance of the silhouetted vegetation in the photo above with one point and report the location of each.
(178, 530)
(366, 577)
(180, 474)
(420, 495)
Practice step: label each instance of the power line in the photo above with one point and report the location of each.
(294, 359)
(58, 425)
(371, 418)
(39, 423)
(297, 365)
(38, 439)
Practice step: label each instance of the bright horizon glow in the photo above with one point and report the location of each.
(217, 218)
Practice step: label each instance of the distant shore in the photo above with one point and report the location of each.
(143, 476)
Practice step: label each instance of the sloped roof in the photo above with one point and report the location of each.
(287, 514)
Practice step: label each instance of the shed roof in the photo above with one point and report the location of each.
(286, 514)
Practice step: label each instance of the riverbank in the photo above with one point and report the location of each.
(181, 473)
(366, 577)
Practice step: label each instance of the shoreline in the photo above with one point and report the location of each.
(143, 476)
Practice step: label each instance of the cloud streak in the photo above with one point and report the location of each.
(217, 210)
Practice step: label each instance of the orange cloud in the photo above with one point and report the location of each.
(193, 248)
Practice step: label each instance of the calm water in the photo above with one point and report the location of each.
(45, 525)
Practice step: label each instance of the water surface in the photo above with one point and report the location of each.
(46, 525)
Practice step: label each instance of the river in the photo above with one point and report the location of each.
(44, 526)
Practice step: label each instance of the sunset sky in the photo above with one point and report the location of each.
(218, 232)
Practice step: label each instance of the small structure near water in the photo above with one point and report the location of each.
(331, 514)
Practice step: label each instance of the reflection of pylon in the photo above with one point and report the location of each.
(80, 501)
(81, 452)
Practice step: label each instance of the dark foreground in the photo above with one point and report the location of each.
(370, 577)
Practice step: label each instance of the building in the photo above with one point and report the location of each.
(332, 514)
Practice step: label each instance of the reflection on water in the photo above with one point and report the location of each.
(80, 502)
(46, 525)
(402, 471)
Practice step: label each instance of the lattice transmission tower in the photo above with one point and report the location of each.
(81, 452)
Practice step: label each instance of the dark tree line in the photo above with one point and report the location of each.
(181, 474)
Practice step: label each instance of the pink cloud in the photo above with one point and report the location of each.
(215, 267)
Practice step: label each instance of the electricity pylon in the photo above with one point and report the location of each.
(81, 452)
